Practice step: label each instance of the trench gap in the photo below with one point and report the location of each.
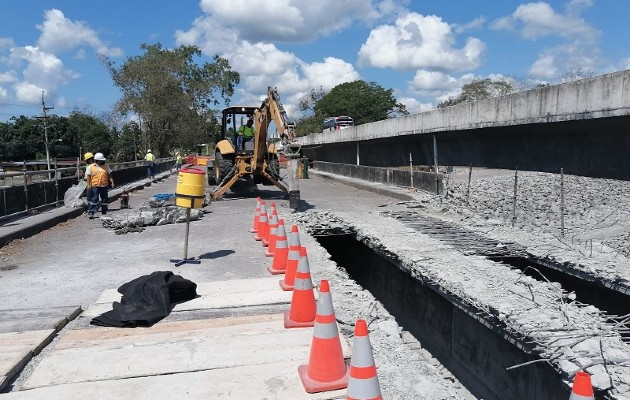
(588, 290)
(474, 350)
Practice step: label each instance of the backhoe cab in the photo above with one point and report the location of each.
(258, 158)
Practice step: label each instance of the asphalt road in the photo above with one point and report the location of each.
(72, 263)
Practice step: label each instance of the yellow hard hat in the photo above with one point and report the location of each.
(87, 156)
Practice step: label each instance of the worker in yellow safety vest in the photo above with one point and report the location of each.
(99, 179)
(245, 134)
(150, 159)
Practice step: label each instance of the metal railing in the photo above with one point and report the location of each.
(27, 190)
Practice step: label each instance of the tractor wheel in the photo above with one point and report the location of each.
(222, 166)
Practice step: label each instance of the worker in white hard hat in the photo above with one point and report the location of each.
(150, 160)
(98, 183)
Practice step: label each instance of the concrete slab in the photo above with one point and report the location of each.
(270, 381)
(37, 318)
(171, 348)
(214, 295)
(24, 333)
(18, 348)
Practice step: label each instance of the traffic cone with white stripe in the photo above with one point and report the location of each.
(271, 249)
(293, 259)
(326, 370)
(273, 227)
(363, 382)
(303, 308)
(256, 216)
(582, 387)
(279, 263)
(263, 222)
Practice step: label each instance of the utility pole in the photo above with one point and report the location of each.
(44, 109)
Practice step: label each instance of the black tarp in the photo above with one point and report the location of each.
(147, 299)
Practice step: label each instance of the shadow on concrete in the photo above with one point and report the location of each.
(216, 254)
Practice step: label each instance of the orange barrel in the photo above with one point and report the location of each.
(191, 187)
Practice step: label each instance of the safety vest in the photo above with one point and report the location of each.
(98, 175)
(179, 159)
(246, 131)
(150, 157)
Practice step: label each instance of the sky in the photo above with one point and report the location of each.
(424, 50)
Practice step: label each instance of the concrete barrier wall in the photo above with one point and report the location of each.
(421, 180)
(582, 126)
(598, 97)
(14, 199)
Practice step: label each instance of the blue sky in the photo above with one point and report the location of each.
(423, 49)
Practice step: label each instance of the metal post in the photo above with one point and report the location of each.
(187, 230)
(294, 186)
(25, 188)
(411, 169)
(358, 157)
(56, 183)
(78, 168)
(562, 201)
(44, 108)
(435, 161)
(515, 191)
(468, 188)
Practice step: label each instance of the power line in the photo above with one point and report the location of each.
(17, 105)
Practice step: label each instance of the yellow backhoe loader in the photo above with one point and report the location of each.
(256, 159)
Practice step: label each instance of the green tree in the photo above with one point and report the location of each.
(480, 89)
(172, 94)
(363, 101)
(89, 134)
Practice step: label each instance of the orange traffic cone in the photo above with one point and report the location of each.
(263, 222)
(273, 227)
(293, 259)
(271, 250)
(256, 216)
(326, 369)
(363, 383)
(279, 263)
(303, 308)
(582, 387)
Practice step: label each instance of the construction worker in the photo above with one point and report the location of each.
(245, 133)
(179, 161)
(89, 160)
(150, 159)
(99, 180)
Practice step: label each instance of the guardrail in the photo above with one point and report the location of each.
(26, 190)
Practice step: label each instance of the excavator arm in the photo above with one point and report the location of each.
(271, 109)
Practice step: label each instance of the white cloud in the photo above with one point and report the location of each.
(294, 77)
(4, 94)
(418, 41)
(289, 20)
(8, 76)
(440, 86)
(475, 24)
(414, 106)
(241, 39)
(536, 20)
(6, 42)
(43, 71)
(554, 61)
(60, 34)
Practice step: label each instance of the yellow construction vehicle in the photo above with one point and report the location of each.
(257, 159)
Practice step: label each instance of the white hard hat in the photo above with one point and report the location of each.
(148, 151)
(99, 157)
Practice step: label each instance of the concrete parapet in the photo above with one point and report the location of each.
(421, 180)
